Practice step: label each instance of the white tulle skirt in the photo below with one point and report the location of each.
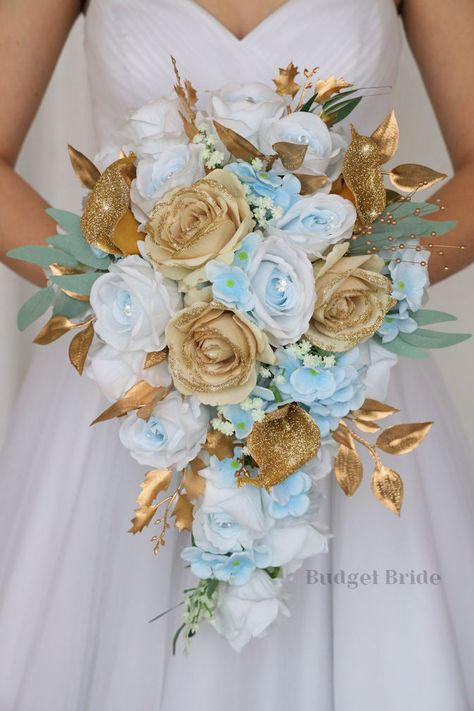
(77, 590)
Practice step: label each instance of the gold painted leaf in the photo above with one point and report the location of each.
(236, 144)
(365, 425)
(61, 270)
(411, 176)
(139, 396)
(190, 128)
(183, 513)
(155, 358)
(192, 481)
(291, 155)
(342, 435)
(84, 168)
(374, 410)
(285, 82)
(325, 88)
(386, 137)
(348, 470)
(155, 481)
(220, 445)
(387, 487)
(142, 518)
(311, 183)
(401, 439)
(56, 327)
(79, 347)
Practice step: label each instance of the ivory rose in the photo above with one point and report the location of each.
(214, 352)
(352, 299)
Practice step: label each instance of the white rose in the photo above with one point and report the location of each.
(172, 436)
(317, 222)
(175, 167)
(325, 148)
(115, 372)
(229, 518)
(153, 127)
(282, 282)
(243, 107)
(322, 464)
(291, 544)
(246, 611)
(133, 304)
(379, 362)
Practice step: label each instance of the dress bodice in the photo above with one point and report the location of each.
(129, 43)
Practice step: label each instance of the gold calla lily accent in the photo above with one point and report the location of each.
(363, 176)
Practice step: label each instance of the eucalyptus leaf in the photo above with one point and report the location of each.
(35, 307)
(64, 305)
(337, 98)
(78, 283)
(43, 256)
(401, 348)
(340, 111)
(404, 208)
(77, 246)
(426, 317)
(70, 222)
(425, 338)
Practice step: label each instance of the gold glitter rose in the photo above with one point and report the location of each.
(214, 353)
(352, 299)
(195, 224)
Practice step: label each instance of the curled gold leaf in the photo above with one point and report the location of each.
(219, 445)
(363, 176)
(183, 513)
(411, 176)
(84, 168)
(386, 137)
(285, 82)
(311, 183)
(141, 395)
(236, 144)
(61, 270)
(325, 88)
(192, 481)
(291, 155)
(348, 469)
(79, 347)
(56, 327)
(155, 481)
(387, 487)
(374, 410)
(342, 435)
(401, 439)
(75, 295)
(155, 358)
(365, 425)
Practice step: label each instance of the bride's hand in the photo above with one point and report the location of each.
(440, 35)
(32, 35)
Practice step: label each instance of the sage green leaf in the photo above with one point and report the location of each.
(340, 111)
(425, 317)
(77, 246)
(425, 338)
(78, 283)
(70, 222)
(336, 99)
(403, 209)
(64, 305)
(401, 348)
(35, 307)
(43, 256)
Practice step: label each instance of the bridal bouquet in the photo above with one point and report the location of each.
(239, 285)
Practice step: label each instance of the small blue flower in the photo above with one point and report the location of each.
(242, 420)
(230, 285)
(236, 569)
(397, 321)
(282, 190)
(202, 564)
(289, 498)
(224, 470)
(409, 282)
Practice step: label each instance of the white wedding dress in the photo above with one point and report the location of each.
(77, 590)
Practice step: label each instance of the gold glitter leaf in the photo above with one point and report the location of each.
(192, 481)
(386, 137)
(79, 347)
(401, 439)
(311, 183)
(285, 82)
(325, 88)
(84, 168)
(374, 410)
(387, 487)
(155, 358)
(236, 144)
(142, 395)
(291, 155)
(220, 445)
(183, 513)
(348, 470)
(362, 173)
(56, 327)
(282, 443)
(411, 176)
(155, 481)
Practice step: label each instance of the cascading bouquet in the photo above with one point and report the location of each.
(240, 283)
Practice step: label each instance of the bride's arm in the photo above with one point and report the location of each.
(440, 34)
(32, 34)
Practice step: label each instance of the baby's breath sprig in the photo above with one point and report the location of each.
(200, 603)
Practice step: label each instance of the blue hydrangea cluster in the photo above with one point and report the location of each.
(283, 191)
(409, 282)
